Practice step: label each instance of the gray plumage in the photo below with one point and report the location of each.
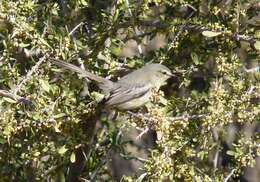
(132, 90)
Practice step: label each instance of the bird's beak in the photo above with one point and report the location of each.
(171, 75)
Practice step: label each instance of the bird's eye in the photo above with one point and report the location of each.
(165, 72)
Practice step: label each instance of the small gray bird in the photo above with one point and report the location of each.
(132, 90)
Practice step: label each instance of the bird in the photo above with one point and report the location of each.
(130, 92)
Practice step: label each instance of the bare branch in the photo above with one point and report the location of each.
(229, 175)
(75, 28)
(29, 75)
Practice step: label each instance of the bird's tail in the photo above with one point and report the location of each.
(85, 73)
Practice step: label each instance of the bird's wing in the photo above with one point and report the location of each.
(124, 93)
(103, 83)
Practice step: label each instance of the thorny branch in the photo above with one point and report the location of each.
(29, 75)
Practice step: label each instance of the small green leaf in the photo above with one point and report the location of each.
(45, 42)
(195, 58)
(9, 100)
(141, 177)
(45, 85)
(59, 115)
(231, 153)
(257, 45)
(102, 57)
(2, 140)
(97, 96)
(162, 100)
(116, 50)
(72, 157)
(84, 3)
(62, 150)
(8, 130)
(23, 45)
(207, 33)
(36, 154)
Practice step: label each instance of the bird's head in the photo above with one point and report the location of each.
(157, 74)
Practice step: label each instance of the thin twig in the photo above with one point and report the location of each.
(119, 134)
(238, 9)
(187, 117)
(75, 28)
(28, 76)
(144, 131)
(229, 175)
(183, 26)
(141, 116)
(101, 163)
(128, 157)
(183, 117)
(184, 143)
(216, 157)
(52, 170)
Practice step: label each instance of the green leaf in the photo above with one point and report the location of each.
(8, 130)
(207, 33)
(2, 140)
(84, 3)
(102, 57)
(9, 100)
(163, 101)
(72, 157)
(141, 177)
(97, 96)
(59, 115)
(195, 58)
(45, 42)
(116, 50)
(62, 150)
(231, 153)
(257, 45)
(23, 45)
(45, 85)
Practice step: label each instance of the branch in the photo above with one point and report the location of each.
(5, 93)
(29, 75)
(103, 161)
(187, 117)
(183, 117)
(75, 28)
(229, 175)
(190, 28)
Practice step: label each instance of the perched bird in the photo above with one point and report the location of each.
(132, 90)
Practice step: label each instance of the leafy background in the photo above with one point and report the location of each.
(204, 123)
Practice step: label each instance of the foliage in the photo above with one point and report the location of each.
(46, 113)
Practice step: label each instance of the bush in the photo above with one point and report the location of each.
(206, 118)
